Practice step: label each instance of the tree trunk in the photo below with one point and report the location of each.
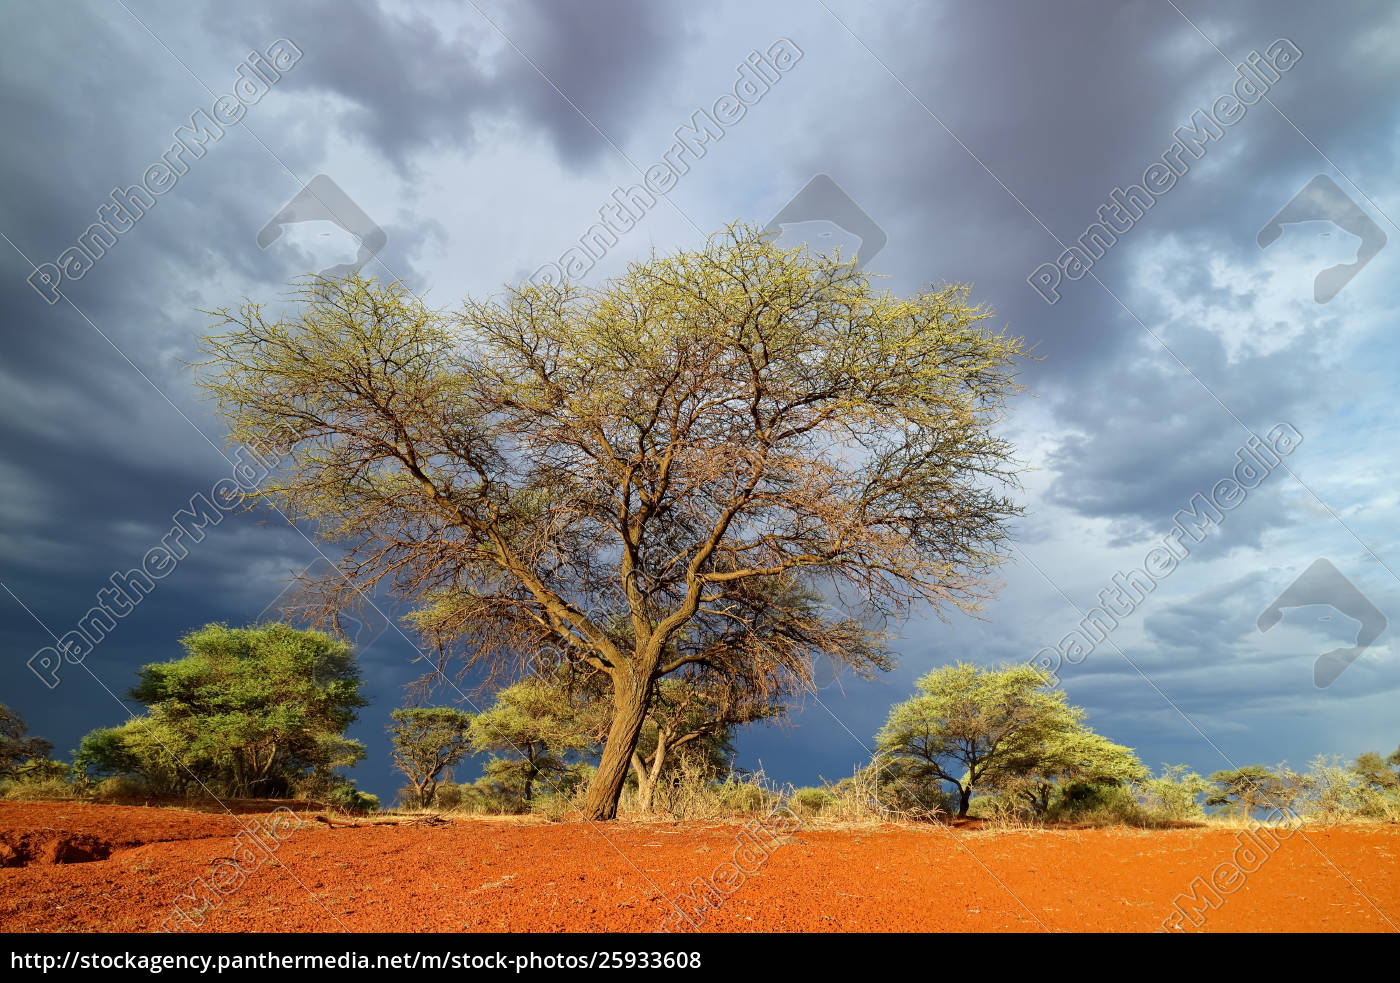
(964, 797)
(645, 788)
(658, 761)
(630, 699)
(647, 776)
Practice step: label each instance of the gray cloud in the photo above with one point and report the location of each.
(422, 85)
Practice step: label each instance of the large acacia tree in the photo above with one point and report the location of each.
(678, 468)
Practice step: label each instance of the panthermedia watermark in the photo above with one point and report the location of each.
(1254, 845)
(1320, 200)
(822, 200)
(125, 591)
(754, 845)
(626, 208)
(1126, 206)
(1254, 462)
(254, 847)
(322, 200)
(1323, 584)
(125, 207)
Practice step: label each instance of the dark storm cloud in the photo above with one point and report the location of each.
(1064, 103)
(1058, 102)
(1146, 441)
(413, 87)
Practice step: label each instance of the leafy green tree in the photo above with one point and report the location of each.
(1250, 788)
(1377, 773)
(18, 753)
(246, 711)
(427, 741)
(968, 726)
(533, 728)
(1066, 761)
(645, 476)
(141, 748)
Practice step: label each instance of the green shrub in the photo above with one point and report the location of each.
(34, 788)
(488, 797)
(743, 795)
(554, 807)
(576, 778)
(810, 801)
(1000, 808)
(122, 787)
(858, 799)
(45, 769)
(40, 779)
(1336, 792)
(1099, 805)
(914, 798)
(1377, 804)
(1174, 795)
(345, 797)
(449, 796)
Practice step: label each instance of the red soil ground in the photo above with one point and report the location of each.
(75, 867)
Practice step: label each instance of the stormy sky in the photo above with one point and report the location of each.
(477, 143)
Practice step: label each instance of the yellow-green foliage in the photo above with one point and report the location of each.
(1008, 729)
(810, 801)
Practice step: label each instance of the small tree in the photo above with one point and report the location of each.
(646, 476)
(687, 714)
(18, 753)
(144, 749)
(1377, 773)
(427, 741)
(1065, 761)
(533, 727)
(968, 725)
(1252, 787)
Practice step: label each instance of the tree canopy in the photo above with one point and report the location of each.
(246, 712)
(426, 743)
(1069, 759)
(532, 730)
(678, 468)
(1381, 774)
(972, 727)
(1251, 787)
(18, 751)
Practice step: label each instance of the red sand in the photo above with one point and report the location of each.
(488, 875)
